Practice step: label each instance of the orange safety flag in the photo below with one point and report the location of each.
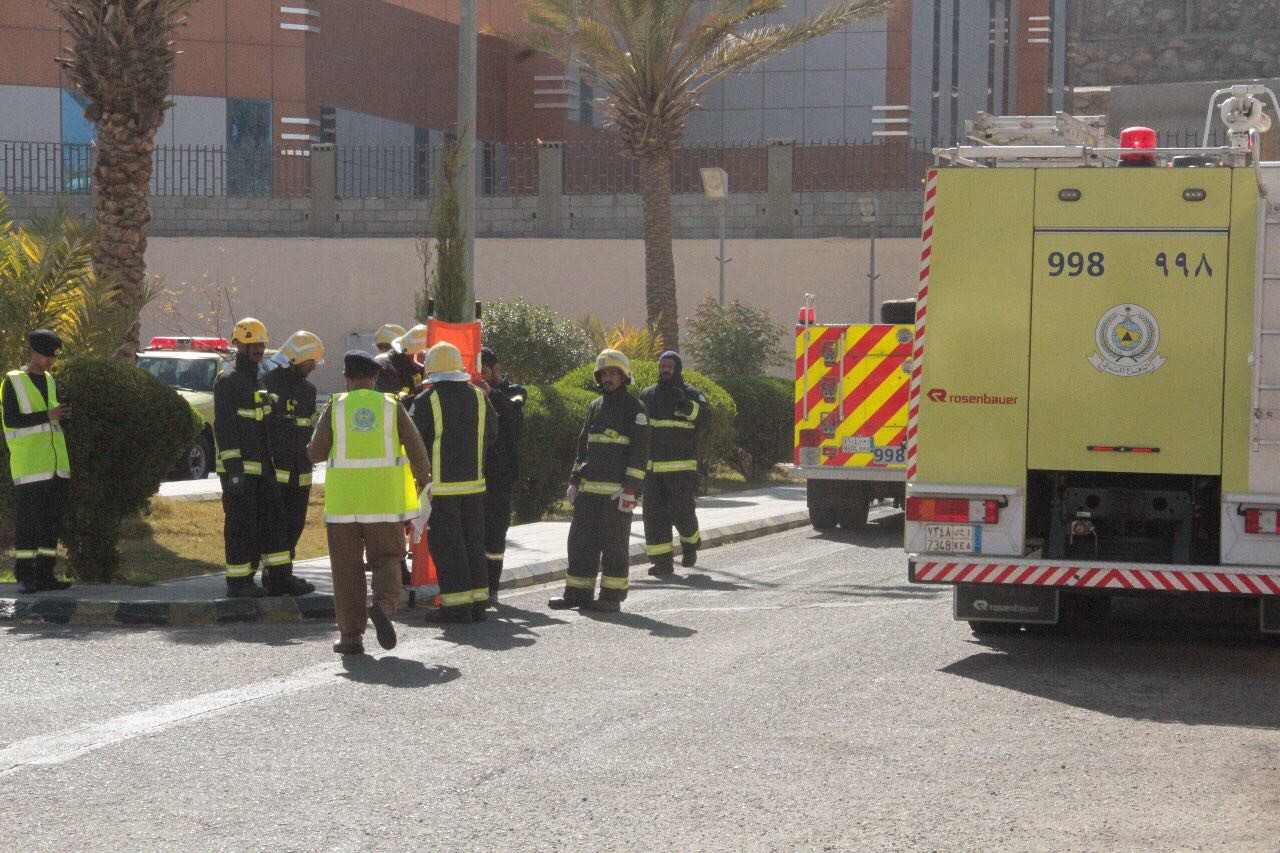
(464, 336)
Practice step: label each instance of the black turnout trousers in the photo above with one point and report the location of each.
(38, 509)
(670, 499)
(497, 519)
(455, 537)
(598, 537)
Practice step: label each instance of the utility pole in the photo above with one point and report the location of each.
(721, 257)
(869, 207)
(467, 141)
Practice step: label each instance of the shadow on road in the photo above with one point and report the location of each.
(904, 592)
(1158, 660)
(274, 634)
(507, 628)
(392, 671)
(880, 533)
(695, 581)
(642, 623)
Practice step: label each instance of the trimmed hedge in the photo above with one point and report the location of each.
(127, 432)
(765, 423)
(553, 417)
(718, 441)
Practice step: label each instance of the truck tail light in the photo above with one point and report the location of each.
(953, 510)
(1261, 521)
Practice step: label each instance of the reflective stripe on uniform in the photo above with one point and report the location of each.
(658, 550)
(638, 473)
(479, 595)
(282, 476)
(25, 555)
(678, 465)
(692, 540)
(334, 518)
(279, 558)
(443, 487)
(471, 487)
(456, 599)
(233, 453)
(607, 582)
(579, 583)
(499, 556)
(605, 438)
(251, 467)
(304, 479)
(34, 478)
(11, 434)
(303, 422)
(47, 552)
(239, 570)
(660, 424)
(595, 488)
(693, 413)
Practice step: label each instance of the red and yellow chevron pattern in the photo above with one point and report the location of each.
(851, 395)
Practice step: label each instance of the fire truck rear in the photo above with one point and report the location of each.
(1095, 397)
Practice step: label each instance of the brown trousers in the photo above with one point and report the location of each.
(351, 546)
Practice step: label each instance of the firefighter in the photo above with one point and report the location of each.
(607, 476)
(293, 410)
(502, 465)
(458, 425)
(254, 522)
(362, 433)
(677, 415)
(400, 374)
(31, 416)
(388, 333)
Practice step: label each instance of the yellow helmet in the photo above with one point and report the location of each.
(387, 334)
(444, 357)
(411, 342)
(613, 358)
(303, 346)
(249, 331)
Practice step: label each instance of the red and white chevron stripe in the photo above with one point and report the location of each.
(1235, 580)
(922, 299)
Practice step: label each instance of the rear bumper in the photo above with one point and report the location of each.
(1120, 577)
(849, 472)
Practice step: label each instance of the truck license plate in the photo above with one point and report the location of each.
(858, 444)
(952, 538)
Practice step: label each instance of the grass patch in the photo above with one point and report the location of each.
(177, 539)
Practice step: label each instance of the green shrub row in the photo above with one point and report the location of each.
(764, 425)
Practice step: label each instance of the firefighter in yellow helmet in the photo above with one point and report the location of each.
(386, 336)
(608, 474)
(254, 529)
(400, 374)
(293, 411)
(459, 426)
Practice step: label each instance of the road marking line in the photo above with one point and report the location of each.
(832, 605)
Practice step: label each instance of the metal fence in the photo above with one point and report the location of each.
(868, 164)
(600, 168)
(413, 171)
(46, 168)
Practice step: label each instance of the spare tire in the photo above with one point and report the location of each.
(899, 312)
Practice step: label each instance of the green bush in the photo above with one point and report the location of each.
(765, 423)
(128, 431)
(718, 441)
(553, 417)
(734, 340)
(535, 344)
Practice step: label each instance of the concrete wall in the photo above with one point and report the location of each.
(335, 287)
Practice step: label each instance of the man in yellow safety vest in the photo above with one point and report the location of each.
(368, 440)
(32, 418)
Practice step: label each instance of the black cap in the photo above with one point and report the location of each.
(359, 363)
(45, 342)
(488, 357)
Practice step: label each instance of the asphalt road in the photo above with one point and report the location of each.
(794, 693)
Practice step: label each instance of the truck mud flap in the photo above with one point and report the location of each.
(1031, 605)
(1269, 614)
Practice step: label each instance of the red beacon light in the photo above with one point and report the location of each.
(175, 344)
(1140, 141)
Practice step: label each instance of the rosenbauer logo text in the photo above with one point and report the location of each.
(940, 395)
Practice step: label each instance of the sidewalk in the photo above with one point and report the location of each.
(210, 488)
(535, 554)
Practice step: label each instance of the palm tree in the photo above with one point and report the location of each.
(121, 56)
(653, 58)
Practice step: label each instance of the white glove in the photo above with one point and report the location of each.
(572, 493)
(419, 523)
(626, 500)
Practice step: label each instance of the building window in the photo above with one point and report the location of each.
(248, 147)
(586, 103)
(77, 135)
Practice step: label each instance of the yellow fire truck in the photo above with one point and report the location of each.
(1094, 406)
(851, 412)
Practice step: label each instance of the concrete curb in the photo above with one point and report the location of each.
(225, 611)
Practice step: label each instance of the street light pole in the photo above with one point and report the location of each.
(869, 207)
(467, 143)
(720, 257)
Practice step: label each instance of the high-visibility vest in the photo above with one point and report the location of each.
(366, 478)
(39, 452)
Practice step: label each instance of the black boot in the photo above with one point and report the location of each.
(383, 626)
(279, 580)
(406, 576)
(689, 557)
(45, 580)
(243, 587)
(662, 568)
(607, 605)
(349, 647)
(569, 603)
